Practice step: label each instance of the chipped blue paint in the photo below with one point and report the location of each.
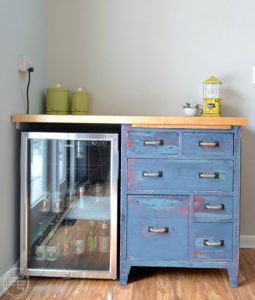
(176, 199)
(223, 144)
(202, 211)
(179, 173)
(158, 212)
(213, 232)
(145, 142)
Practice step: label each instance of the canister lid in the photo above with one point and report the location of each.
(57, 88)
(79, 92)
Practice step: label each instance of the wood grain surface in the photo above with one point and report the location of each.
(136, 120)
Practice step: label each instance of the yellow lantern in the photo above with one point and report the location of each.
(212, 89)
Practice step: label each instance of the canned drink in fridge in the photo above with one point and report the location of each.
(45, 203)
(40, 252)
(81, 190)
(98, 189)
(52, 252)
(57, 202)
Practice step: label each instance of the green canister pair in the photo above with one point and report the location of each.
(57, 101)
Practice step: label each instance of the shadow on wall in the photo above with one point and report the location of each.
(232, 106)
(247, 181)
(16, 192)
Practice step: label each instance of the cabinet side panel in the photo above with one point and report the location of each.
(124, 268)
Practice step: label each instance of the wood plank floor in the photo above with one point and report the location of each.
(152, 284)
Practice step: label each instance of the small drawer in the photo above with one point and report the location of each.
(155, 175)
(157, 227)
(212, 242)
(152, 143)
(212, 208)
(208, 144)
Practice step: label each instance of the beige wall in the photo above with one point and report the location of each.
(147, 57)
(23, 30)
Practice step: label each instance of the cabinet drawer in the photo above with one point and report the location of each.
(208, 144)
(212, 241)
(157, 227)
(212, 208)
(155, 175)
(152, 143)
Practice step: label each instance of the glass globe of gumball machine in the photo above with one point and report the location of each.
(211, 91)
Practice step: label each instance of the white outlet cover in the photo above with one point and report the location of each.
(24, 63)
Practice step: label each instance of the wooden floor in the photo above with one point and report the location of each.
(152, 284)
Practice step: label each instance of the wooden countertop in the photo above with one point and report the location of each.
(136, 121)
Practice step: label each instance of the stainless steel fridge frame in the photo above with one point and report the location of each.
(24, 208)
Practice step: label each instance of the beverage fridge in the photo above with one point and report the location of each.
(69, 188)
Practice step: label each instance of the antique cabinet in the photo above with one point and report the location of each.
(180, 199)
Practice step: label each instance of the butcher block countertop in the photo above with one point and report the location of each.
(137, 121)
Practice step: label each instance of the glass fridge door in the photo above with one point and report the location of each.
(69, 204)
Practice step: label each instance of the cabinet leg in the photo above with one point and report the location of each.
(124, 272)
(233, 276)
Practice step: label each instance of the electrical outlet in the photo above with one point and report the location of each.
(24, 63)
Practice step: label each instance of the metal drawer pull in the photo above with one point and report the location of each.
(158, 230)
(153, 143)
(155, 174)
(214, 244)
(214, 207)
(213, 175)
(209, 144)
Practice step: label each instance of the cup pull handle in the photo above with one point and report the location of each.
(215, 207)
(204, 175)
(153, 143)
(158, 230)
(209, 144)
(153, 174)
(214, 244)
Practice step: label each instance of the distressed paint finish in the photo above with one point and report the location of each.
(159, 212)
(177, 174)
(213, 232)
(202, 213)
(160, 143)
(192, 144)
(177, 199)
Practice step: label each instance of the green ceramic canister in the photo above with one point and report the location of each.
(57, 101)
(79, 103)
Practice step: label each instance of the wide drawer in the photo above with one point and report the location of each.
(212, 242)
(155, 175)
(157, 227)
(208, 144)
(212, 208)
(152, 143)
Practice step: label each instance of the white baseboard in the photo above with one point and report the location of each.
(247, 241)
(4, 278)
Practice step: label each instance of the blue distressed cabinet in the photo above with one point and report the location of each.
(180, 199)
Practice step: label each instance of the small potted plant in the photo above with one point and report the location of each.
(191, 111)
